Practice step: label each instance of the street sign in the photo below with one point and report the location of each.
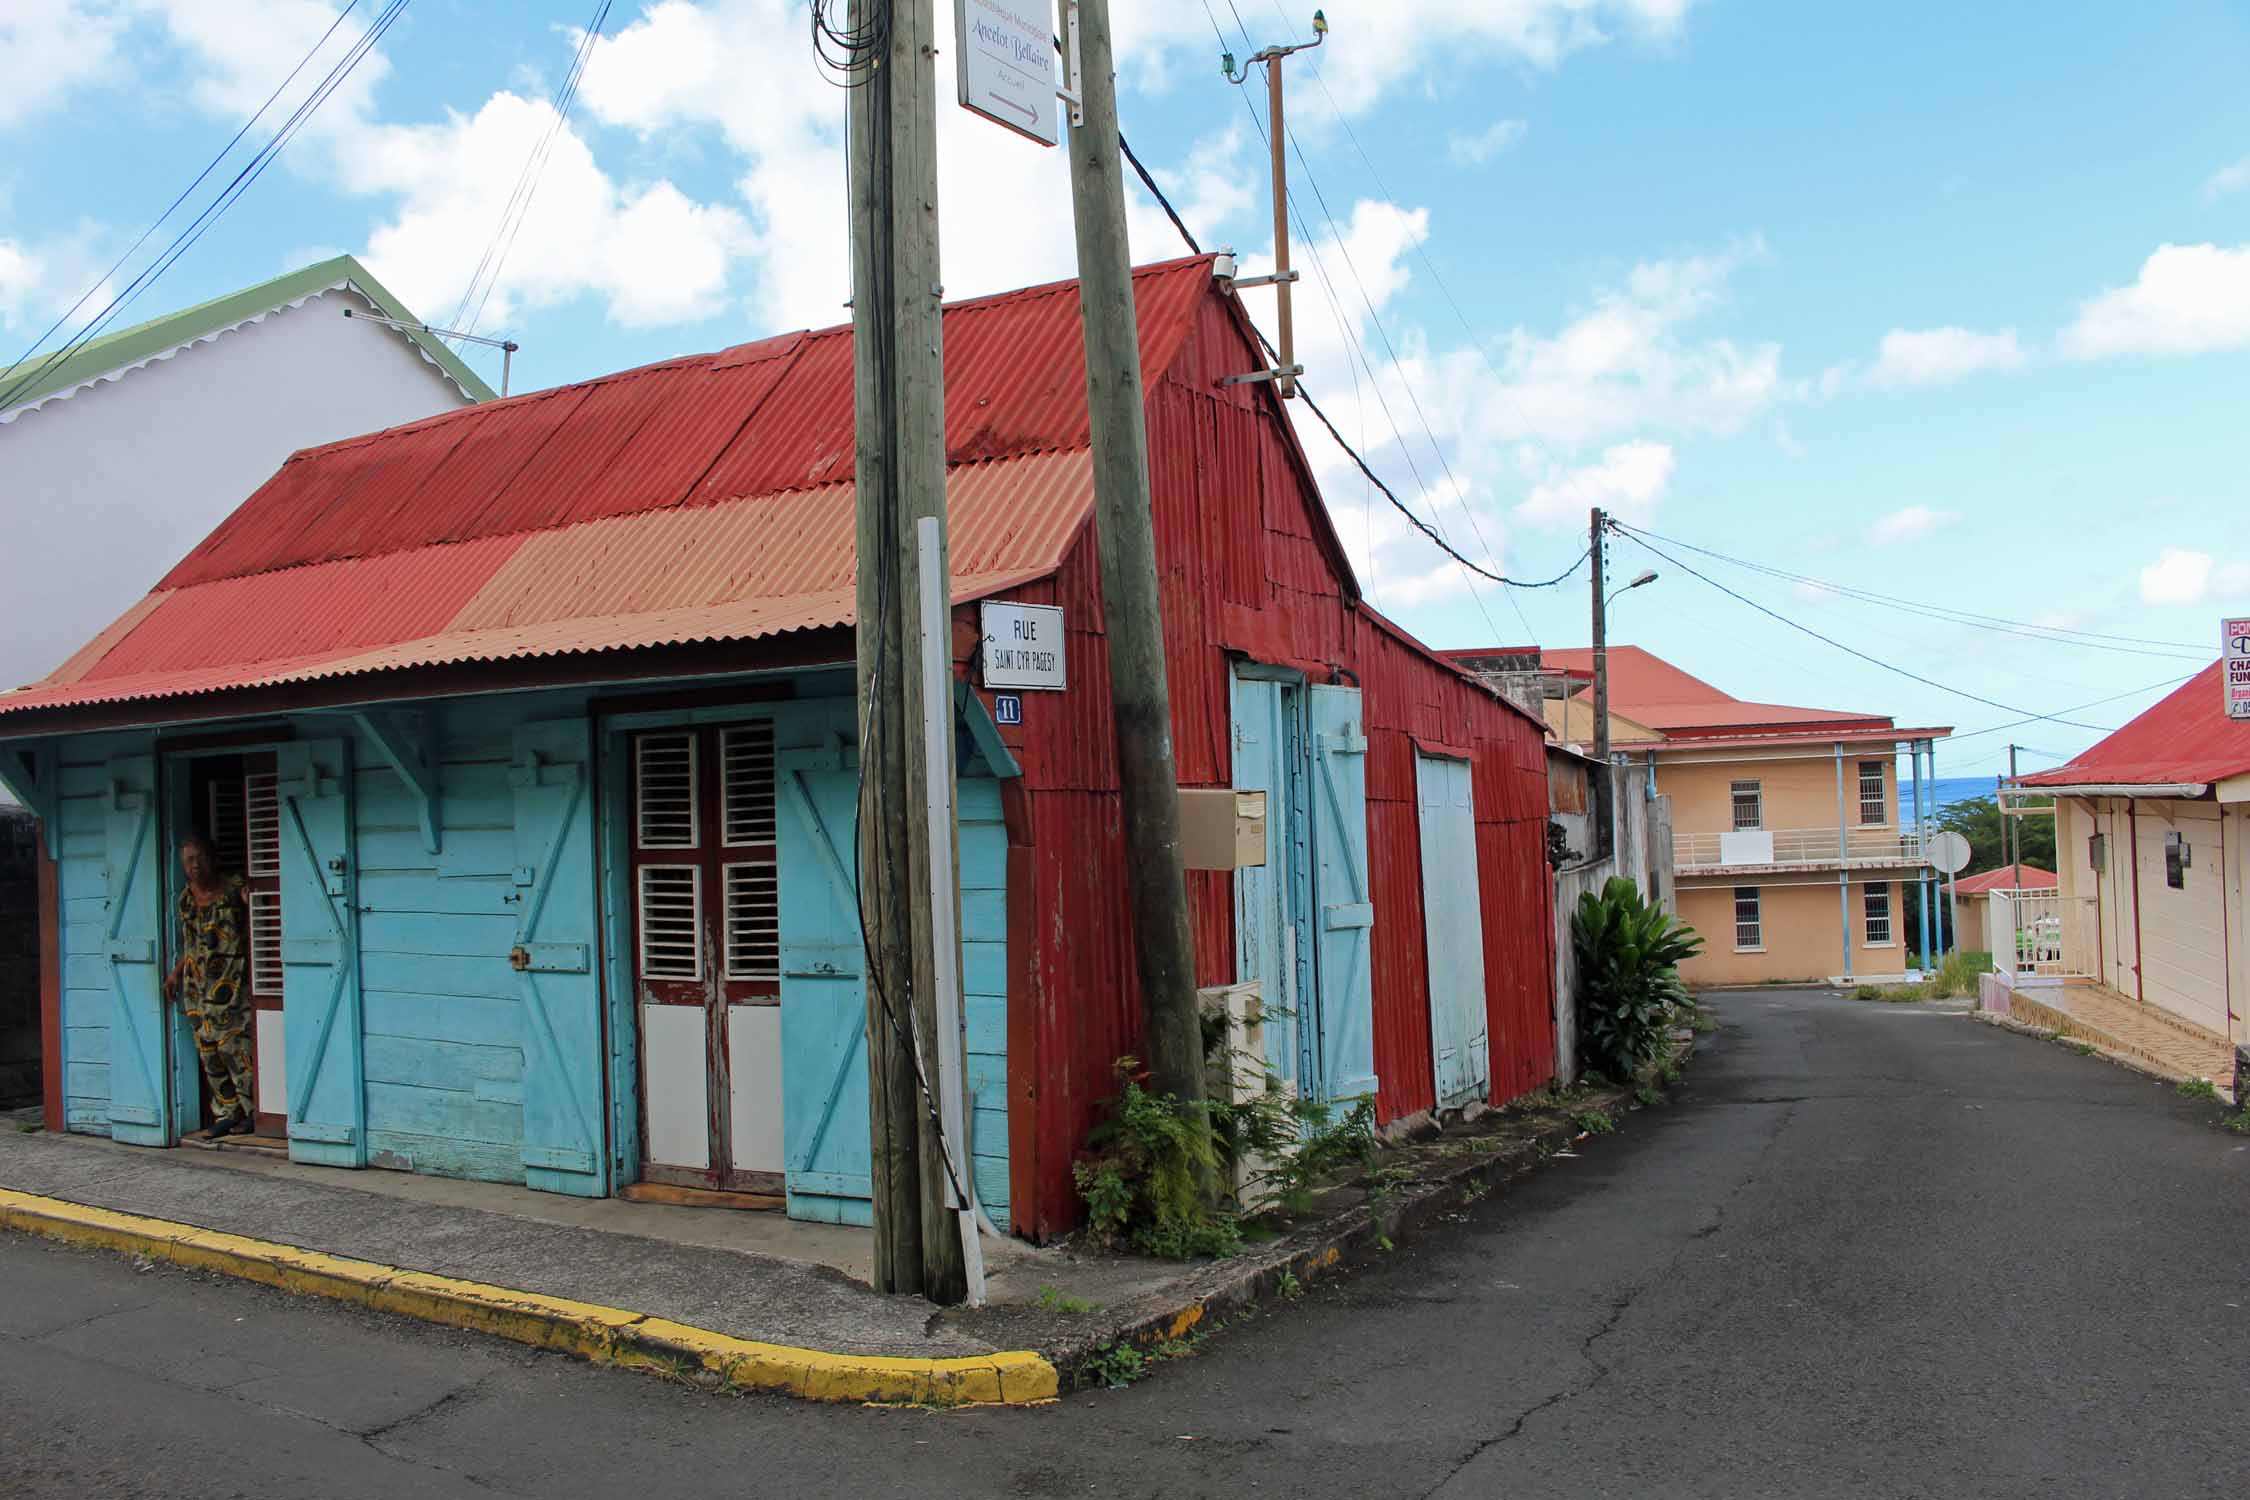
(1004, 65)
(2234, 651)
(1007, 708)
(1948, 851)
(1023, 646)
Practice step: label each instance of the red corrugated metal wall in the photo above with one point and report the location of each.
(1247, 567)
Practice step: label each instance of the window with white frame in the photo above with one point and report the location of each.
(1878, 900)
(1749, 928)
(1749, 805)
(1874, 803)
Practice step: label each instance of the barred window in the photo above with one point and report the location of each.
(1749, 929)
(1874, 805)
(1878, 898)
(1749, 806)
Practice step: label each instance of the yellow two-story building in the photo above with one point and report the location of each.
(1792, 848)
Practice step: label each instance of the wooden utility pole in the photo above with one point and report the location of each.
(1285, 318)
(900, 455)
(1603, 833)
(1285, 383)
(1140, 697)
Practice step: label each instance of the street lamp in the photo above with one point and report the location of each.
(1646, 576)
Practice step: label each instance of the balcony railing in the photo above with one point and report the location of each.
(1750, 847)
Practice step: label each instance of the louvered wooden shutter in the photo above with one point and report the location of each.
(261, 846)
(671, 915)
(664, 795)
(753, 924)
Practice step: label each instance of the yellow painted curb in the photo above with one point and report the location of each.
(603, 1335)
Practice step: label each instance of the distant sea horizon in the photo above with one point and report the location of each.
(1945, 790)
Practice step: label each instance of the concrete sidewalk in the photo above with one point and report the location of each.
(751, 1300)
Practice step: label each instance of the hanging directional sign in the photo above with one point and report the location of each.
(1004, 63)
(2234, 648)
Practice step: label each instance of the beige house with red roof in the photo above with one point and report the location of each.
(2152, 836)
(1790, 855)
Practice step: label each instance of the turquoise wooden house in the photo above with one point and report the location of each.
(531, 728)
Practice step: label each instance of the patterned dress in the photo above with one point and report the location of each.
(215, 995)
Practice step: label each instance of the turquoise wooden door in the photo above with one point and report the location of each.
(139, 1103)
(1343, 903)
(827, 1157)
(1453, 931)
(324, 1072)
(559, 994)
(1269, 942)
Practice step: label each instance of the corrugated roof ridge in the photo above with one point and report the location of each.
(152, 337)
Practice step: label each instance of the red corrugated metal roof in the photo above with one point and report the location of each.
(1651, 691)
(707, 498)
(2021, 877)
(2185, 739)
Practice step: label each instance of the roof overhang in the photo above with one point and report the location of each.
(1672, 745)
(2177, 790)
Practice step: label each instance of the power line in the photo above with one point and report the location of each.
(1646, 546)
(1436, 538)
(2169, 682)
(2052, 634)
(518, 206)
(1351, 338)
(70, 346)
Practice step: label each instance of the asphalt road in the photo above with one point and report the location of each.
(1864, 1250)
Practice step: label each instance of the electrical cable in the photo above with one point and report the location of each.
(1435, 537)
(1645, 545)
(1344, 325)
(873, 41)
(2052, 634)
(2169, 682)
(233, 190)
(518, 206)
(208, 168)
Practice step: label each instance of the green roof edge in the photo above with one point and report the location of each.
(144, 341)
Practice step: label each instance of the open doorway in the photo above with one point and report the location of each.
(231, 799)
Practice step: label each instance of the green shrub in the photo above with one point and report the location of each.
(1629, 987)
(1147, 1172)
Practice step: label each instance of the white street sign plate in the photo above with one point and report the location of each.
(1004, 62)
(1947, 850)
(1023, 647)
(2234, 650)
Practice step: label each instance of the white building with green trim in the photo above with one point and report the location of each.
(115, 461)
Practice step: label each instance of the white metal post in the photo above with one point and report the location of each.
(945, 933)
(1843, 863)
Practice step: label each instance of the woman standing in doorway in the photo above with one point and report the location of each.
(210, 982)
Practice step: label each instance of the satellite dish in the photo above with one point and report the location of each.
(1948, 851)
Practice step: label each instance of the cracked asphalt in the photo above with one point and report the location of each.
(1863, 1250)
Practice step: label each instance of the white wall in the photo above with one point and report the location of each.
(2183, 933)
(102, 493)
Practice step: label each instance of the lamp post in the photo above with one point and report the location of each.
(1644, 577)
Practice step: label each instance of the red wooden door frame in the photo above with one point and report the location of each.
(715, 991)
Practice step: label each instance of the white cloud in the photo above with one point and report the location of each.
(653, 255)
(1628, 481)
(1380, 45)
(646, 250)
(2179, 576)
(1910, 523)
(2227, 180)
(40, 280)
(2189, 299)
(1474, 150)
(48, 48)
(1936, 356)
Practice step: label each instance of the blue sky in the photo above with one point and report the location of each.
(1949, 303)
